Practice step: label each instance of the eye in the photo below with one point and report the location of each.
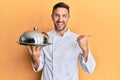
(64, 16)
(56, 15)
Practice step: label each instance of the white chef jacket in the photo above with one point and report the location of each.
(59, 60)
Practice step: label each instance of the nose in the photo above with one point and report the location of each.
(60, 19)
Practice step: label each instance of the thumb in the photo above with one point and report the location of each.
(88, 36)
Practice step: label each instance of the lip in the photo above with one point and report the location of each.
(60, 23)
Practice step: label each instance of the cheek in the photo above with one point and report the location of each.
(55, 19)
(66, 20)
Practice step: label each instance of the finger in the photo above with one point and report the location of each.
(37, 47)
(88, 35)
(33, 49)
(40, 48)
(80, 37)
(29, 49)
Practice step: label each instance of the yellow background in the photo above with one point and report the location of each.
(99, 18)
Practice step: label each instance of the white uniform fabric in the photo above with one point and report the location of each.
(59, 60)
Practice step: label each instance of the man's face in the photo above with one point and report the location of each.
(60, 18)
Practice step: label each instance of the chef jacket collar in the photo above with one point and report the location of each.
(64, 35)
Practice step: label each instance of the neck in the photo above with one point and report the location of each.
(62, 32)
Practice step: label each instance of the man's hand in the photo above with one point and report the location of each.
(35, 51)
(35, 54)
(83, 43)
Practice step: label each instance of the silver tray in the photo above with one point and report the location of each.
(33, 44)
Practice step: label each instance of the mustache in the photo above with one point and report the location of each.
(60, 21)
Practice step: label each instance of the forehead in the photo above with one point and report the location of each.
(60, 11)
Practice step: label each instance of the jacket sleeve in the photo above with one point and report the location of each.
(88, 66)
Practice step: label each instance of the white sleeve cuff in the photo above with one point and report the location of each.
(89, 66)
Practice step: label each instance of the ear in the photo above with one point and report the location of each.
(52, 16)
(69, 15)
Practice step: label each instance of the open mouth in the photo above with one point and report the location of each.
(60, 23)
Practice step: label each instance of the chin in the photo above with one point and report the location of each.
(60, 28)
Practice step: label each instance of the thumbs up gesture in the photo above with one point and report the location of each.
(83, 44)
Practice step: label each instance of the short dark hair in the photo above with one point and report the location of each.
(61, 5)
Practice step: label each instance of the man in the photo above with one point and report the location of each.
(59, 61)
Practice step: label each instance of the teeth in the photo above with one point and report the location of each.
(60, 23)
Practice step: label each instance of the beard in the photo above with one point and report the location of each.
(59, 26)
